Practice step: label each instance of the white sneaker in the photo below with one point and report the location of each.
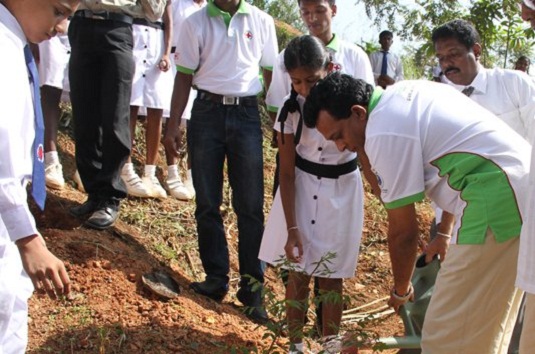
(54, 176)
(177, 189)
(76, 179)
(155, 188)
(188, 183)
(134, 185)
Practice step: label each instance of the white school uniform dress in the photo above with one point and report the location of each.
(181, 10)
(346, 58)
(16, 221)
(394, 65)
(53, 65)
(509, 94)
(329, 212)
(151, 87)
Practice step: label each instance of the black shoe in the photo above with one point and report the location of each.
(104, 216)
(255, 309)
(215, 290)
(88, 207)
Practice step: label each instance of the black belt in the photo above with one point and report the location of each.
(227, 100)
(144, 22)
(326, 171)
(104, 15)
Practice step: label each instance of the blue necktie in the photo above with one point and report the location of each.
(38, 151)
(385, 62)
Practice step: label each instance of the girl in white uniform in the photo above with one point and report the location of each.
(317, 213)
(151, 88)
(54, 55)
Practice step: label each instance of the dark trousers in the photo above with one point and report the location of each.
(215, 133)
(101, 69)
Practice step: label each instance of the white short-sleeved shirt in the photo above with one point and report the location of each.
(329, 212)
(509, 94)
(394, 65)
(225, 53)
(346, 58)
(468, 161)
(17, 132)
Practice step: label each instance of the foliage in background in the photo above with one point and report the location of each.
(282, 10)
(503, 35)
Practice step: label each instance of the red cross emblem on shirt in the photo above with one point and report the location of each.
(40, 153)
(248, 35)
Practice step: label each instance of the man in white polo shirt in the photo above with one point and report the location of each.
(509, 94)
(466, 160)
(221, 50)
(526, 261)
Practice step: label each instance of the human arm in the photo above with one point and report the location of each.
(45, 270)
(153, 9)
(287, 193)
(440, 244)
(165, 61)
(402, 245)
(179, 100)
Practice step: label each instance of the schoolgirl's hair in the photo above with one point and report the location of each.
(306, 51)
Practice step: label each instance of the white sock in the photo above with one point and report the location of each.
(128, 168)
(51, 158)
(150, 171)
(172, 172)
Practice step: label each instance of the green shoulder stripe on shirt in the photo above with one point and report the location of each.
(405, 201)
(269, 68)
(184, 70)
(489, 196)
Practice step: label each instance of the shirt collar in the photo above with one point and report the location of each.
(334, 44)
(479, 83)
(374, 99)
(214, 11)
(10, 22)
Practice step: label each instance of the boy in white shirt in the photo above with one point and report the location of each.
(23, 253)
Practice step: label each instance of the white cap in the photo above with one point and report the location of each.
(529, 3)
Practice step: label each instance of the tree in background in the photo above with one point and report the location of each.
(503, 35)
(282, 10)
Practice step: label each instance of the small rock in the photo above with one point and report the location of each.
(210, 320)
(97, 264)
(106, 265)
(132, 277)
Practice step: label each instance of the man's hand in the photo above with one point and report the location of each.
(165, 63)
(172, 140)
(45, 270)
(439, 245)
(396, 300)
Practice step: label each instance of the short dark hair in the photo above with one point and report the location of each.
(336, 94)
(386, 33)
(306, 51)
(461, 30)
(331, 2)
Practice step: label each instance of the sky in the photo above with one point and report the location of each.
(353, 25)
